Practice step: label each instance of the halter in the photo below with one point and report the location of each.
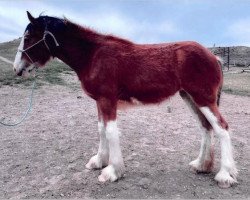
(46, 32)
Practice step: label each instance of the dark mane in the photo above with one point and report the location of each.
(80, 32)
(118, 39)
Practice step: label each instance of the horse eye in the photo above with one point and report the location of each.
(26, 39)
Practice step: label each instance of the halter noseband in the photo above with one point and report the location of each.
(46, 32)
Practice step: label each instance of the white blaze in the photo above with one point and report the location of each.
(18, 60)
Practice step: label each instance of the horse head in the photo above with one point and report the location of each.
(38, 44)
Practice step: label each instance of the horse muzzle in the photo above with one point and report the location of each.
(21, 68)
(20, 73)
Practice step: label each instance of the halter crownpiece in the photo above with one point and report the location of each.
(51, 34)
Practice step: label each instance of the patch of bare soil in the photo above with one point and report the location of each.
(44, 157)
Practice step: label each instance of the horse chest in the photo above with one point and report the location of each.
(96, 88)
(88, 89)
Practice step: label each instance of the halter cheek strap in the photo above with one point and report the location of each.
(54, 38)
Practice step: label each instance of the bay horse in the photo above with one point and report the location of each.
(113, 70)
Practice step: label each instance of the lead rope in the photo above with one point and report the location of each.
(27, 111)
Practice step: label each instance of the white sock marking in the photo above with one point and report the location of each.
(116, 166)
(227, 161)
(206, 141)
(112, 133)
(101, 158)
(103, 150)
(205, 149)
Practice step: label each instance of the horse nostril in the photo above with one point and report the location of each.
(20, 73)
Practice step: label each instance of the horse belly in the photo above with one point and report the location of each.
(156, 88)
(124, 105)
(152, 94)
(155, 96)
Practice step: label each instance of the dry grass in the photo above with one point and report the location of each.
(236, 82)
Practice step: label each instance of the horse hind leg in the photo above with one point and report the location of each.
(209, 108)
(228, 172)
(205, 161)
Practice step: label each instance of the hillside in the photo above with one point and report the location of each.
(52, 74)
(8, 49)
(239, 56)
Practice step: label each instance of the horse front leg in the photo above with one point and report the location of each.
(101, 159)
(115, 168)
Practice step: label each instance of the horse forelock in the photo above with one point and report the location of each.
(54, 24)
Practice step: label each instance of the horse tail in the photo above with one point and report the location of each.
(218, 95)
(220, 62)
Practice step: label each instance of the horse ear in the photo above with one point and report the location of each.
(31, 18)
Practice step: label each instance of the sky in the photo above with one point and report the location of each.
(209, 22)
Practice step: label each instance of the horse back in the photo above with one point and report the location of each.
(147, 73)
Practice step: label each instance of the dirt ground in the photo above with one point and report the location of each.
(44, 157)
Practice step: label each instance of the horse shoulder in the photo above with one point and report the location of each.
(101, 76)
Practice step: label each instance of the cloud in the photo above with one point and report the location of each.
(239, 32)
(130, 28)
(13, 19)
(104, 19)
(140, 21)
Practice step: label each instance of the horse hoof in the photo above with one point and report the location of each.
(94, 163)
(224, 179)
(108, 174)
(197, 167)
(224, 185)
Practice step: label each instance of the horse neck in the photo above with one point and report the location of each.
(77, 50)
